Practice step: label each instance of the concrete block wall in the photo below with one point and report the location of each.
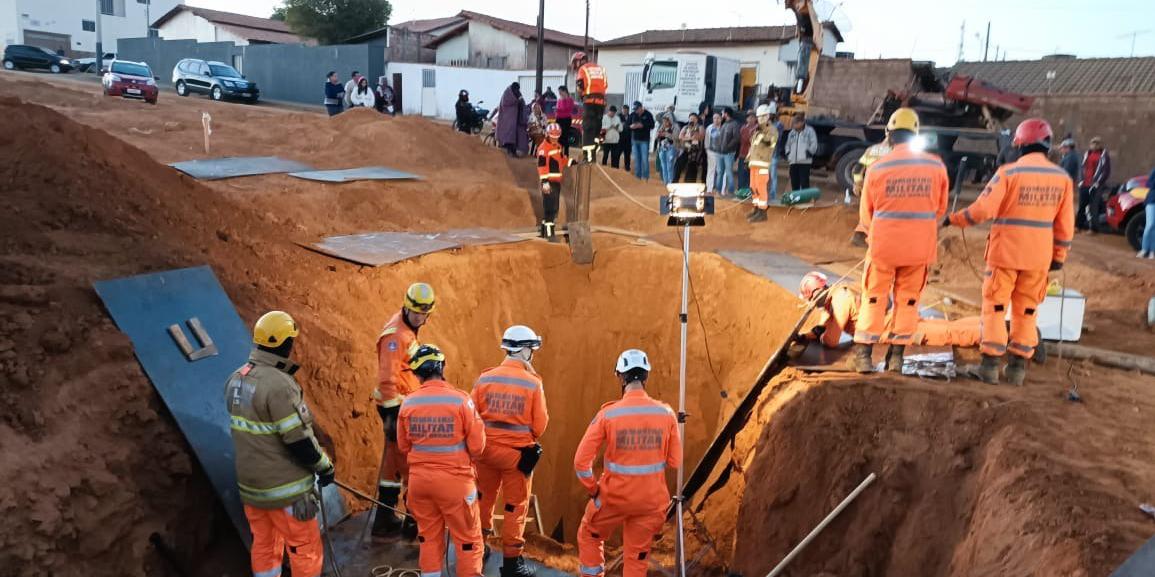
(1124, 121)
(853, 89)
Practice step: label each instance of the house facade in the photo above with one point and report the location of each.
(69, 26)
(204, 25)
(477, 40)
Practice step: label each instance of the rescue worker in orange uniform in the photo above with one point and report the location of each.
(511, 402)
(904, 196)
(1032, 224)
(840, 308)
(278, 459)
(641, 441)
(550, 164)
(395, 345)
(591, 88)
(858, 174)
(442, 436)
(762, 145)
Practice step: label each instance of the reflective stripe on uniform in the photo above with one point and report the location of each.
(274, 572)
(282, 426)
(867, 337)
(626, 411)
(470, 498)
(635, 469)
(514, 381)
(431, 574)
(995, 346)
(1022, 348)
(298, 487)
(324, 463)
(414, 401)
(549, 176)
(903, 215)
(507, 426)
(967, 215)
(1037, 170)
(389, 484)
(1063, 243)
(586, 474)
(907, 162)
(598, 570)
(439, 448)
(1023, 222)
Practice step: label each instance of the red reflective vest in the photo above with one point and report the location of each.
(591, 84)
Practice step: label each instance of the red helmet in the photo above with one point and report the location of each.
(813, 282)
(553, 130)
(577, 58)
(1033, 131)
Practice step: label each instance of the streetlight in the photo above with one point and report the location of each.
(687, 205)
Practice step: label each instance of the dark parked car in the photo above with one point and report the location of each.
(130, 80)
(217, 79)
(18, 56)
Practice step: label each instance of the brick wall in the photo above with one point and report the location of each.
(852, 89)
(1125, 122)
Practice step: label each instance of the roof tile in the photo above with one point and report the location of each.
(1072, 76)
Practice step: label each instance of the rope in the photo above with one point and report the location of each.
(623, 192)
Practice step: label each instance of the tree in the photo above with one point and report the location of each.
(333, 21)
(278, 14)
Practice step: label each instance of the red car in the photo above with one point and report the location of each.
(1125, 210)
(130, 80)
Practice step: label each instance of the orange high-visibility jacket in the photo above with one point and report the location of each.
(395, 346)
(549, 161)
(841, 314)
(1030, 202)
(591, 83)
(439, 428)
(641, 439)
(904, 197)
(511, 402)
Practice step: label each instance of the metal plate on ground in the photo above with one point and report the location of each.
(785, 270)
(352, 174)
(232, 167)
(382, 248)
(1141, 564)
(477, 236)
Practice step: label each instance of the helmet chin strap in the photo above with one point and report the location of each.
(524, 354)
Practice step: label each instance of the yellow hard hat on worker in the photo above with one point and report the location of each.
(903, 119)
(427, 356)
(273, 328)
(419, 298)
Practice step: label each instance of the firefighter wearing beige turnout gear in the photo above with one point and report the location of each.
(278, 458)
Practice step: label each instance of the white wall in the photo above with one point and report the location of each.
(455, 49)
(189, 26)
(486, 41)
(482, 84)
(66, 16)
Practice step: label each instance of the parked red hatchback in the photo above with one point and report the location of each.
(130, 80)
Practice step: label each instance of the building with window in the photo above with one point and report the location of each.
(69, 26)
(204, 25)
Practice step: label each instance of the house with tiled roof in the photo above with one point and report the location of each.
(1062, 74)
(204, 25)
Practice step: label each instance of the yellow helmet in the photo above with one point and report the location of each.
(903, 119)
(426, 360)
(273, 328)
(419, 298)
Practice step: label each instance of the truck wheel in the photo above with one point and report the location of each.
(844, 170)
(1133, 230)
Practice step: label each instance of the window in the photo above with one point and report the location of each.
(143, 2)
(131, 69)
(106, 7)
(428, 78)
(88, 25)
(224, 71)
(663, 75)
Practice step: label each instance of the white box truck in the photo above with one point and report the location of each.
(686, 80)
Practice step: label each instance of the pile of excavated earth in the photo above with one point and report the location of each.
(972, 479)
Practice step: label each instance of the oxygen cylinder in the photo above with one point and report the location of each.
(801, 196)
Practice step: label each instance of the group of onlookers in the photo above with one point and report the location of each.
(356, 93)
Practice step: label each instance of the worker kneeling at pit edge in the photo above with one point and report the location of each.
(904, 196)
(278, 459)
(442, 437)
(641, 440)
(395, 346)
(1032, 224)
(511, 402)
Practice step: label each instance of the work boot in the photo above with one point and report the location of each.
(409, 528)
(759, 216)
(858, 239)
(894, 358)
(988, 371)
(386, 523)
(1040, 355)
(860, 360)
(753, 213)
(1016, 370)
(516, 567)
(486, 534)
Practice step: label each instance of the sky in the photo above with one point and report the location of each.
(1020, 29)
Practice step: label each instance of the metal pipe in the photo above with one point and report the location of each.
(365, 497)
(822, 525)
(680, 542)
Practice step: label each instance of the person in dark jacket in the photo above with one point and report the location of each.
(731, 143)
(464, 111)
(334, 94)
(1096, 169)
(1070, 160)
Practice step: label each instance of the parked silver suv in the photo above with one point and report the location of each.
(217, 79)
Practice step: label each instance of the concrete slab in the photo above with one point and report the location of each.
(1141, 564)
(786, 270)
(232, 167)
(352, 174)
(477, 236)
(382, 248)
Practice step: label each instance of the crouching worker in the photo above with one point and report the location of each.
(641, 440)
(441, 435)
(278, 459)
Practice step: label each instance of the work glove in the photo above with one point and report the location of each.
(326, 476)
(305, 508)
(529, 457)
(545, 188)
(1056, 265)
(946, 221)
(858, 239)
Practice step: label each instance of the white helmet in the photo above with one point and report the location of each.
(633, 359)
(519, 337)
(762, 110)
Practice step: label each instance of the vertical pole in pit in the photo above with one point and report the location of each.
(680, 543)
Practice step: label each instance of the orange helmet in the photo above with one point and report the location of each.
(553, 130)
(1033, 131)
(577, 59)
(813, 282)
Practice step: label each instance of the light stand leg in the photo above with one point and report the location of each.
(680, 543)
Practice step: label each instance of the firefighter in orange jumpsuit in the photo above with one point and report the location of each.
(641, 441)
(840, 304)
(903, 198)
(1032, 224)
(550, 164)
(762, 145)
(591, 87)
(395, 345)
(511, 402)
(442, 436)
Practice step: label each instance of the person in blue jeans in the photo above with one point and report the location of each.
(779, 152)
(640, 123)
(731, 134)
(1147, 247)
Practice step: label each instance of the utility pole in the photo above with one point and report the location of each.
(540, 45)
(962, 34)
(1134, 34)
(99, 39)
(987, 48)
(586, 42)
(147, 20)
